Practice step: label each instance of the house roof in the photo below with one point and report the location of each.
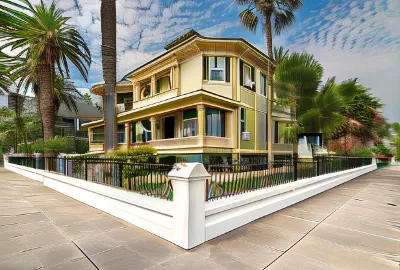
(85, 112)
(187, 37)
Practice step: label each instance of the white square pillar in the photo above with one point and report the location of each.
(188, 181)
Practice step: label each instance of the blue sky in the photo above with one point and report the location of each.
(351, 39)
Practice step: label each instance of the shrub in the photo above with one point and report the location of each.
(82, 147)
(55, 145)
(141, 154)
(382, 149)
(361, 152)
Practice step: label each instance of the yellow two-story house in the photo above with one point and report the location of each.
(203, 96)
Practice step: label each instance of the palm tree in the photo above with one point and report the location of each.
(296, 80)
(46, 43)
(278, 13)
(280, 54)
(109, 62)
(325, 112)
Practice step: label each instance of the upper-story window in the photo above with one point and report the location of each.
(163, 84)
(247, 76)
(263, 85)
(121, 134)
(216, 68)
(124, 98)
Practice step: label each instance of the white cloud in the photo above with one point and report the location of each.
(359, 40)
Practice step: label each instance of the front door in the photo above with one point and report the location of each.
(169, 127)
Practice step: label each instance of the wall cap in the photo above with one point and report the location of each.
(192, 171)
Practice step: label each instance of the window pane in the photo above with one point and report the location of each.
(188, 114)
(217, 75)
(220, 62)
(212, 62)
(247, 75)
(133, 132)
(263, 85)
(215, 123)
(189, 127)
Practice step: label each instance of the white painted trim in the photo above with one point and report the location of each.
(230, 213)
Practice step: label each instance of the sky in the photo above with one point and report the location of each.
(351, 39)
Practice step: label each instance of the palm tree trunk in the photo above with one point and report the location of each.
(109, 62)
(46, 93)
(268, 35)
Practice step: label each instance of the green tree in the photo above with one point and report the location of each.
(46, 43)
(87, 98)
(109, 59)
(324, 113)
(396, 139)
(296, 81)
(277, 14)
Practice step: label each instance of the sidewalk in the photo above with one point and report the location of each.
(353, 226)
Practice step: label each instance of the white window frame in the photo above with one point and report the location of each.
(216, 68)
(265, 85)
(244, 78)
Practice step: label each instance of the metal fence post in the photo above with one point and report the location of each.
(295, 168)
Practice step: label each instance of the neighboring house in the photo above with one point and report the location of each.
(68, 124)
(203, 96)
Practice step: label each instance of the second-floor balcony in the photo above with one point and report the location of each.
(123, 107)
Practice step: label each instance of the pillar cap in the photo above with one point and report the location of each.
(188, 172)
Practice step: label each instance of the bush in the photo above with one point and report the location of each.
(82, 147)
(382, 149)
(361, 152)
(55, 145)
(141, 154)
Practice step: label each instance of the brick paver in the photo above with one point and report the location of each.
(353, 226)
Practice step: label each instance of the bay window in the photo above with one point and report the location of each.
(189, 123)
(215, 123)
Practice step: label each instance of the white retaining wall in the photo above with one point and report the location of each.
(189, 220)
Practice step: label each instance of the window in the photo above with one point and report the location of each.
(276, 131)
(133, 132)
(247, 76)
(163, 84)
(121, 134)
(247, 72)
(98, 135)
(263, 85)
(124, 98)
(146, 130)
(216, 68)
(242, 120)
(215, 123)
(190, 123)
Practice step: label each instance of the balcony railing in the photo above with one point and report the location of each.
(194, 141)
(282, 147)
(123, 107)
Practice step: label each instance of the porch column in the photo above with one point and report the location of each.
(153, 123)
(137, 92)
(269, 122)
(200, 120)
(128, 135)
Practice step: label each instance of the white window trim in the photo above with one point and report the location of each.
(214, 68)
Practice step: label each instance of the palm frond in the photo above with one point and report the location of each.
(249, 19)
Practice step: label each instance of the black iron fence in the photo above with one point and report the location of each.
(144, 178)
(229, 180)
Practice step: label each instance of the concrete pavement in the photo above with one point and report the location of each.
(353, 226)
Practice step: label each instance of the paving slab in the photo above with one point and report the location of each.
(352, 226)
